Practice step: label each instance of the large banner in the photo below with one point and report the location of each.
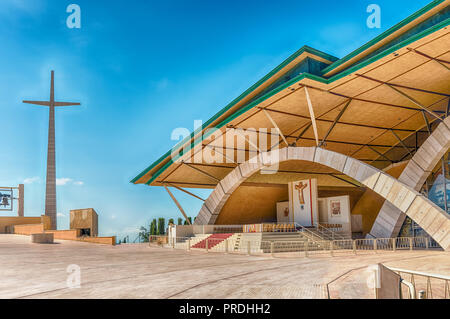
(303, 207)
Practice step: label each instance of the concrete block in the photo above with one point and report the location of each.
(405, 179)
(201, 218)
(424, 157)
(232, 181)
(42, 238)
(418, 209)
(361, 172)
(378, 231)
(301, 153)
(212, 219)
(371, 180)
(209, 205)
(401, 196)
(442, 236)
(204, 211)
(447, 122)
(442, 136)
(212, 201)
(415, 173)
(274, 157)
(428, 219)
(438, 224)
(219, 191)
(330, 159)
(384, 184)
(436, 142)
(367, 172)
(248, 169)
(387, 221)
(390, 210)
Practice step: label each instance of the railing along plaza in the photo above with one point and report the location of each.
(421, 285)
(305, 245)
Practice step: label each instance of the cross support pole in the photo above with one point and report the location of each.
(335, 122)
(276, 126)
(178, 204)
(313, 117)
(183, 190)
(201, 172)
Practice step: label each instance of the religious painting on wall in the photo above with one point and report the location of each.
(283, 213)
(335, 208)
(303, 202)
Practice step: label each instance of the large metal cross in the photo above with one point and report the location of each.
(300, 187)
(50, 190)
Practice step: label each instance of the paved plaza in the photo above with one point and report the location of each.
(140, 271)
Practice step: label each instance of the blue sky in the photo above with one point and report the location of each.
(140, 70)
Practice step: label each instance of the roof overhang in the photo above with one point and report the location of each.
(388, 89)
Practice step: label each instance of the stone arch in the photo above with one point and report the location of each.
(390, 219)
(428, 215)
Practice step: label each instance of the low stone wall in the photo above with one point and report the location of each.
(64, 234)
(99, 240)
(28, 229)
(8, 223)
(71, 234)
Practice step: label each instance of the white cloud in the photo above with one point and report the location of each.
(63, 181)
(31, 180)
(60, 215)
(67, 181)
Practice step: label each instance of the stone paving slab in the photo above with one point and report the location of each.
(140, 271)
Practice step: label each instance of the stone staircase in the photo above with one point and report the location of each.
(213, 241)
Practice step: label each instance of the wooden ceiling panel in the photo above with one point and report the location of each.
(429, 76)
(397, 66)
(355, 87)
(284, 178)
(384, 94)
(375, 114)
(342, 148)
(296, 103)
(349, 133)
(437, 47)
(189, 175)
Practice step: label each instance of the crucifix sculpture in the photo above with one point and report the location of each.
(50, 190)
(300, 187)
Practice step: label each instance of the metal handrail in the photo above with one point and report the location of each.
(325, 230)
(412, 289)
(419, 273)
(428, 276)
(313, 235)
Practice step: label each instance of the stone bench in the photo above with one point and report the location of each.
(42, 238)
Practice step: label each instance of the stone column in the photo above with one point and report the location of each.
(20, 209)
(50, 190)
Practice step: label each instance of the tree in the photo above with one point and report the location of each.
(190, 219)
(180, 221)
(161, 226)
(171, 221)
(153, 228)
(144, 235)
